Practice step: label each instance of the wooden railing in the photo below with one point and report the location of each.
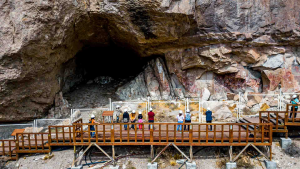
(32, 142)
(278, 119)
(78, 121)
(77, 127)
(8, 148)
(227, 134)
(237, 134)
(290, 110)
(61, 134)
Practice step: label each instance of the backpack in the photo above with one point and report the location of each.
(188, 117)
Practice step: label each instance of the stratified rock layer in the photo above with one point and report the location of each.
(220, 46)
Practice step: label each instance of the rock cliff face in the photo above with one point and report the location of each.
(216, 46)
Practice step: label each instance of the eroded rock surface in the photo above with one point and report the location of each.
(222, 46)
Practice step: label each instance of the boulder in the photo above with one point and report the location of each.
(274, 61)
(230, 96)
(273, 103)
(222, 113)
(271, 79)
(251, 103)
(236, 97)
(255, 98)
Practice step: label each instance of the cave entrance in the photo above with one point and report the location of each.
(97, 72)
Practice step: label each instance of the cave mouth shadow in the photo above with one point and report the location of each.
(95, 73)
(113, 61)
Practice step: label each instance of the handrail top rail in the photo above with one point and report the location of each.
(77, 120)
(63, 126)
(265, 118)
(7, 140)
(29, 133)
(110, 124)
(272, 111)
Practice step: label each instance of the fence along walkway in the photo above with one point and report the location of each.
(258, 132)
(280, 119)
(79, 134)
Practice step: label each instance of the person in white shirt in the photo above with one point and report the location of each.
(180, 119)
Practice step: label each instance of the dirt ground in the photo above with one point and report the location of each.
(205, 157)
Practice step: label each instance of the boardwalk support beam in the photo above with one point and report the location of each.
(80, 157)
(152, 152)
(191, 152)
(230, 152)
(246, 148)
(166, 148)
(113, 154)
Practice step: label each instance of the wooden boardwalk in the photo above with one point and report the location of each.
(257, 131)
(79, 134)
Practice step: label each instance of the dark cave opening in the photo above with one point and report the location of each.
(98, 71)
(112, 61)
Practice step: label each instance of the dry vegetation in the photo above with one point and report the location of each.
(249, 159)
(293, 150)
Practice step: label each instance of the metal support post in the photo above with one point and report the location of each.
(75, 156)
(110, 106)
(230, 153)
(191, 153)
(152, 152)
(113, 154)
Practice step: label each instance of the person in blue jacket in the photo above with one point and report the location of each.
(294, 108)
(209, 117)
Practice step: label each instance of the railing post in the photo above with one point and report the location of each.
(230, 133)
(17, 142)
(49, 135)
(112, 131)
(89, 133)
(74, 133)
(49, 141)
(191, 134)
(286, 119)
(9, 148)
(260, 120)
(271, 140)
(3, 147)
(151, 132)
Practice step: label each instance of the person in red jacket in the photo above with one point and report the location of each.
(151, 117)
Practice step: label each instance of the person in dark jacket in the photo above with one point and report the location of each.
(151, 117)
(125, 118)
(140, 120)
(187, 118)
(209, 117)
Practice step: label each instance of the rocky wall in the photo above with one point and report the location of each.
(215, 46)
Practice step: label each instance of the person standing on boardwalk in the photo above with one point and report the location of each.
(151, 117)
(117, 113)
(209, 117)
(92, 127)
(125, 118)
(187, 119)
(294, 108)
(180, 119)
(132, 119)
(140, 120)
